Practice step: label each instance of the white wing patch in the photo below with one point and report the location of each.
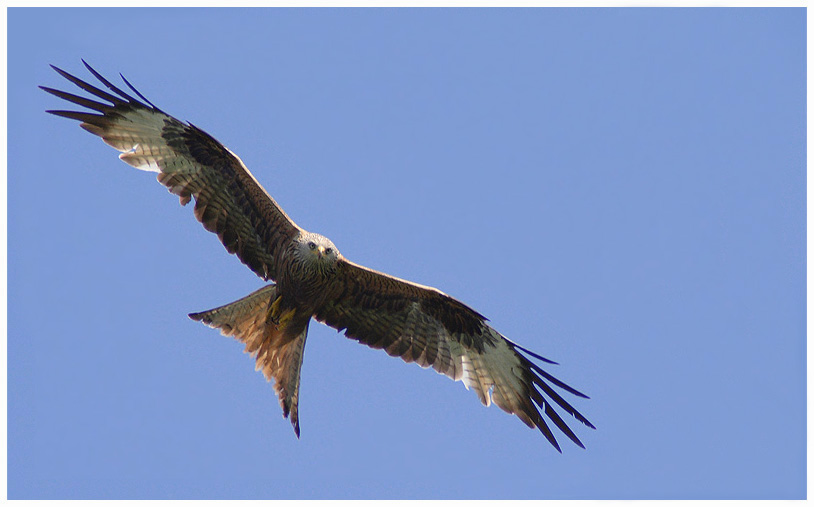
(138, 161)
(494, 374)
(137, 134)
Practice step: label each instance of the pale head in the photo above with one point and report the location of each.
(316, 251)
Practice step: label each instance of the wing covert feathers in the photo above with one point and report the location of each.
(191, 164)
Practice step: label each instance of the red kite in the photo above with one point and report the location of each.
(312, 280)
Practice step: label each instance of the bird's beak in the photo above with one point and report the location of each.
(321, 251)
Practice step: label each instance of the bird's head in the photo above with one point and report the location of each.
(317, 251)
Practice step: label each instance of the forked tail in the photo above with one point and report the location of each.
(276, 338)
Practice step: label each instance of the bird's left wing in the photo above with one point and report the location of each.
(190, 163)
(423, 325)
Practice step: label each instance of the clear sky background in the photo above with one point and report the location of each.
(622, 191)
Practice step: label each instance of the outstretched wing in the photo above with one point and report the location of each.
(423, 325)
(190, 163)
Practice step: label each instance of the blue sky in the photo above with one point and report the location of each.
(622, 191)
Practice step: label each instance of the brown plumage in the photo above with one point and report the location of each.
(312, 279)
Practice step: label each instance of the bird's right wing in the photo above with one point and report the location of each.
(190, 163)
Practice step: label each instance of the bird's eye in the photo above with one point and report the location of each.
(328, 251)
(312, 245)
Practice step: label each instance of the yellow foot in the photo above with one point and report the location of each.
(278, 317)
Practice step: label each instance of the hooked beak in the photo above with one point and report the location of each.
(321, 251)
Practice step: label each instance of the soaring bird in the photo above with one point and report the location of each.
(311, 279)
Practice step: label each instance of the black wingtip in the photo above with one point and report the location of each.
(61, 72)
(76, 115)
(90, 88)
(532, 354)
(142, 97)
(109, 85)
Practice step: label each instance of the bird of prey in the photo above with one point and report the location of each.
(311, 279)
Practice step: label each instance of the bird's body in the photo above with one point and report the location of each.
(311, 279)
